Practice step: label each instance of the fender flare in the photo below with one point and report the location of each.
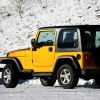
(15, 60)
(74, 61)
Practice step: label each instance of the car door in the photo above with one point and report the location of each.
(44, 54)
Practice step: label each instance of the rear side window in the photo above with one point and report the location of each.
(68, 38)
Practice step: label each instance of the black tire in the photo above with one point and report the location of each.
(12, 76)
(67, 77)
(97, 81)
(47, 81)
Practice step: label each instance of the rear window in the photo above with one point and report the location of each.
(68, 38)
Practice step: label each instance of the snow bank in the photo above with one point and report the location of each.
(20, 19)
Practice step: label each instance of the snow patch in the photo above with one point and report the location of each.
(80, 83)
(31, 82)
(84, 82)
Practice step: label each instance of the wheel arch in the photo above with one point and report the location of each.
(14, 61)
(67, 60)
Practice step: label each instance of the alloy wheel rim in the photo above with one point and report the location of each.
(65, 76)
(7, 76)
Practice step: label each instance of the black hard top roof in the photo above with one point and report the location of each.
(73, 26)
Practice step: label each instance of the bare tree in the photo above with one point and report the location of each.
(23, 5)
(19, 6)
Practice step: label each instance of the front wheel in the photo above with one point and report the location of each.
(47, 81)
(10, 76)
(67, 77)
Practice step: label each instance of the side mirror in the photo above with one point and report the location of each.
(40, 44)
(33, 42)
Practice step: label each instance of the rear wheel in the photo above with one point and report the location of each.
(67, 77)
(10, 76)
(47, 81)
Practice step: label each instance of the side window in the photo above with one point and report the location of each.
(88, 40)
(46, 38)
(68, 38)
(97, 39)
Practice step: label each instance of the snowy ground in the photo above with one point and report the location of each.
(33, 90)
(36, 92)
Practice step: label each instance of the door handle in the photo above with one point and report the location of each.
(50, 49)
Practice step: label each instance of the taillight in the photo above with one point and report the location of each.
(86, 57)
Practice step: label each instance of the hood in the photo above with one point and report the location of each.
(17, 53)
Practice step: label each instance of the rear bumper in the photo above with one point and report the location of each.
(92, 73)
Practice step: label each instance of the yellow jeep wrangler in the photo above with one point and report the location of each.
(63, 53)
